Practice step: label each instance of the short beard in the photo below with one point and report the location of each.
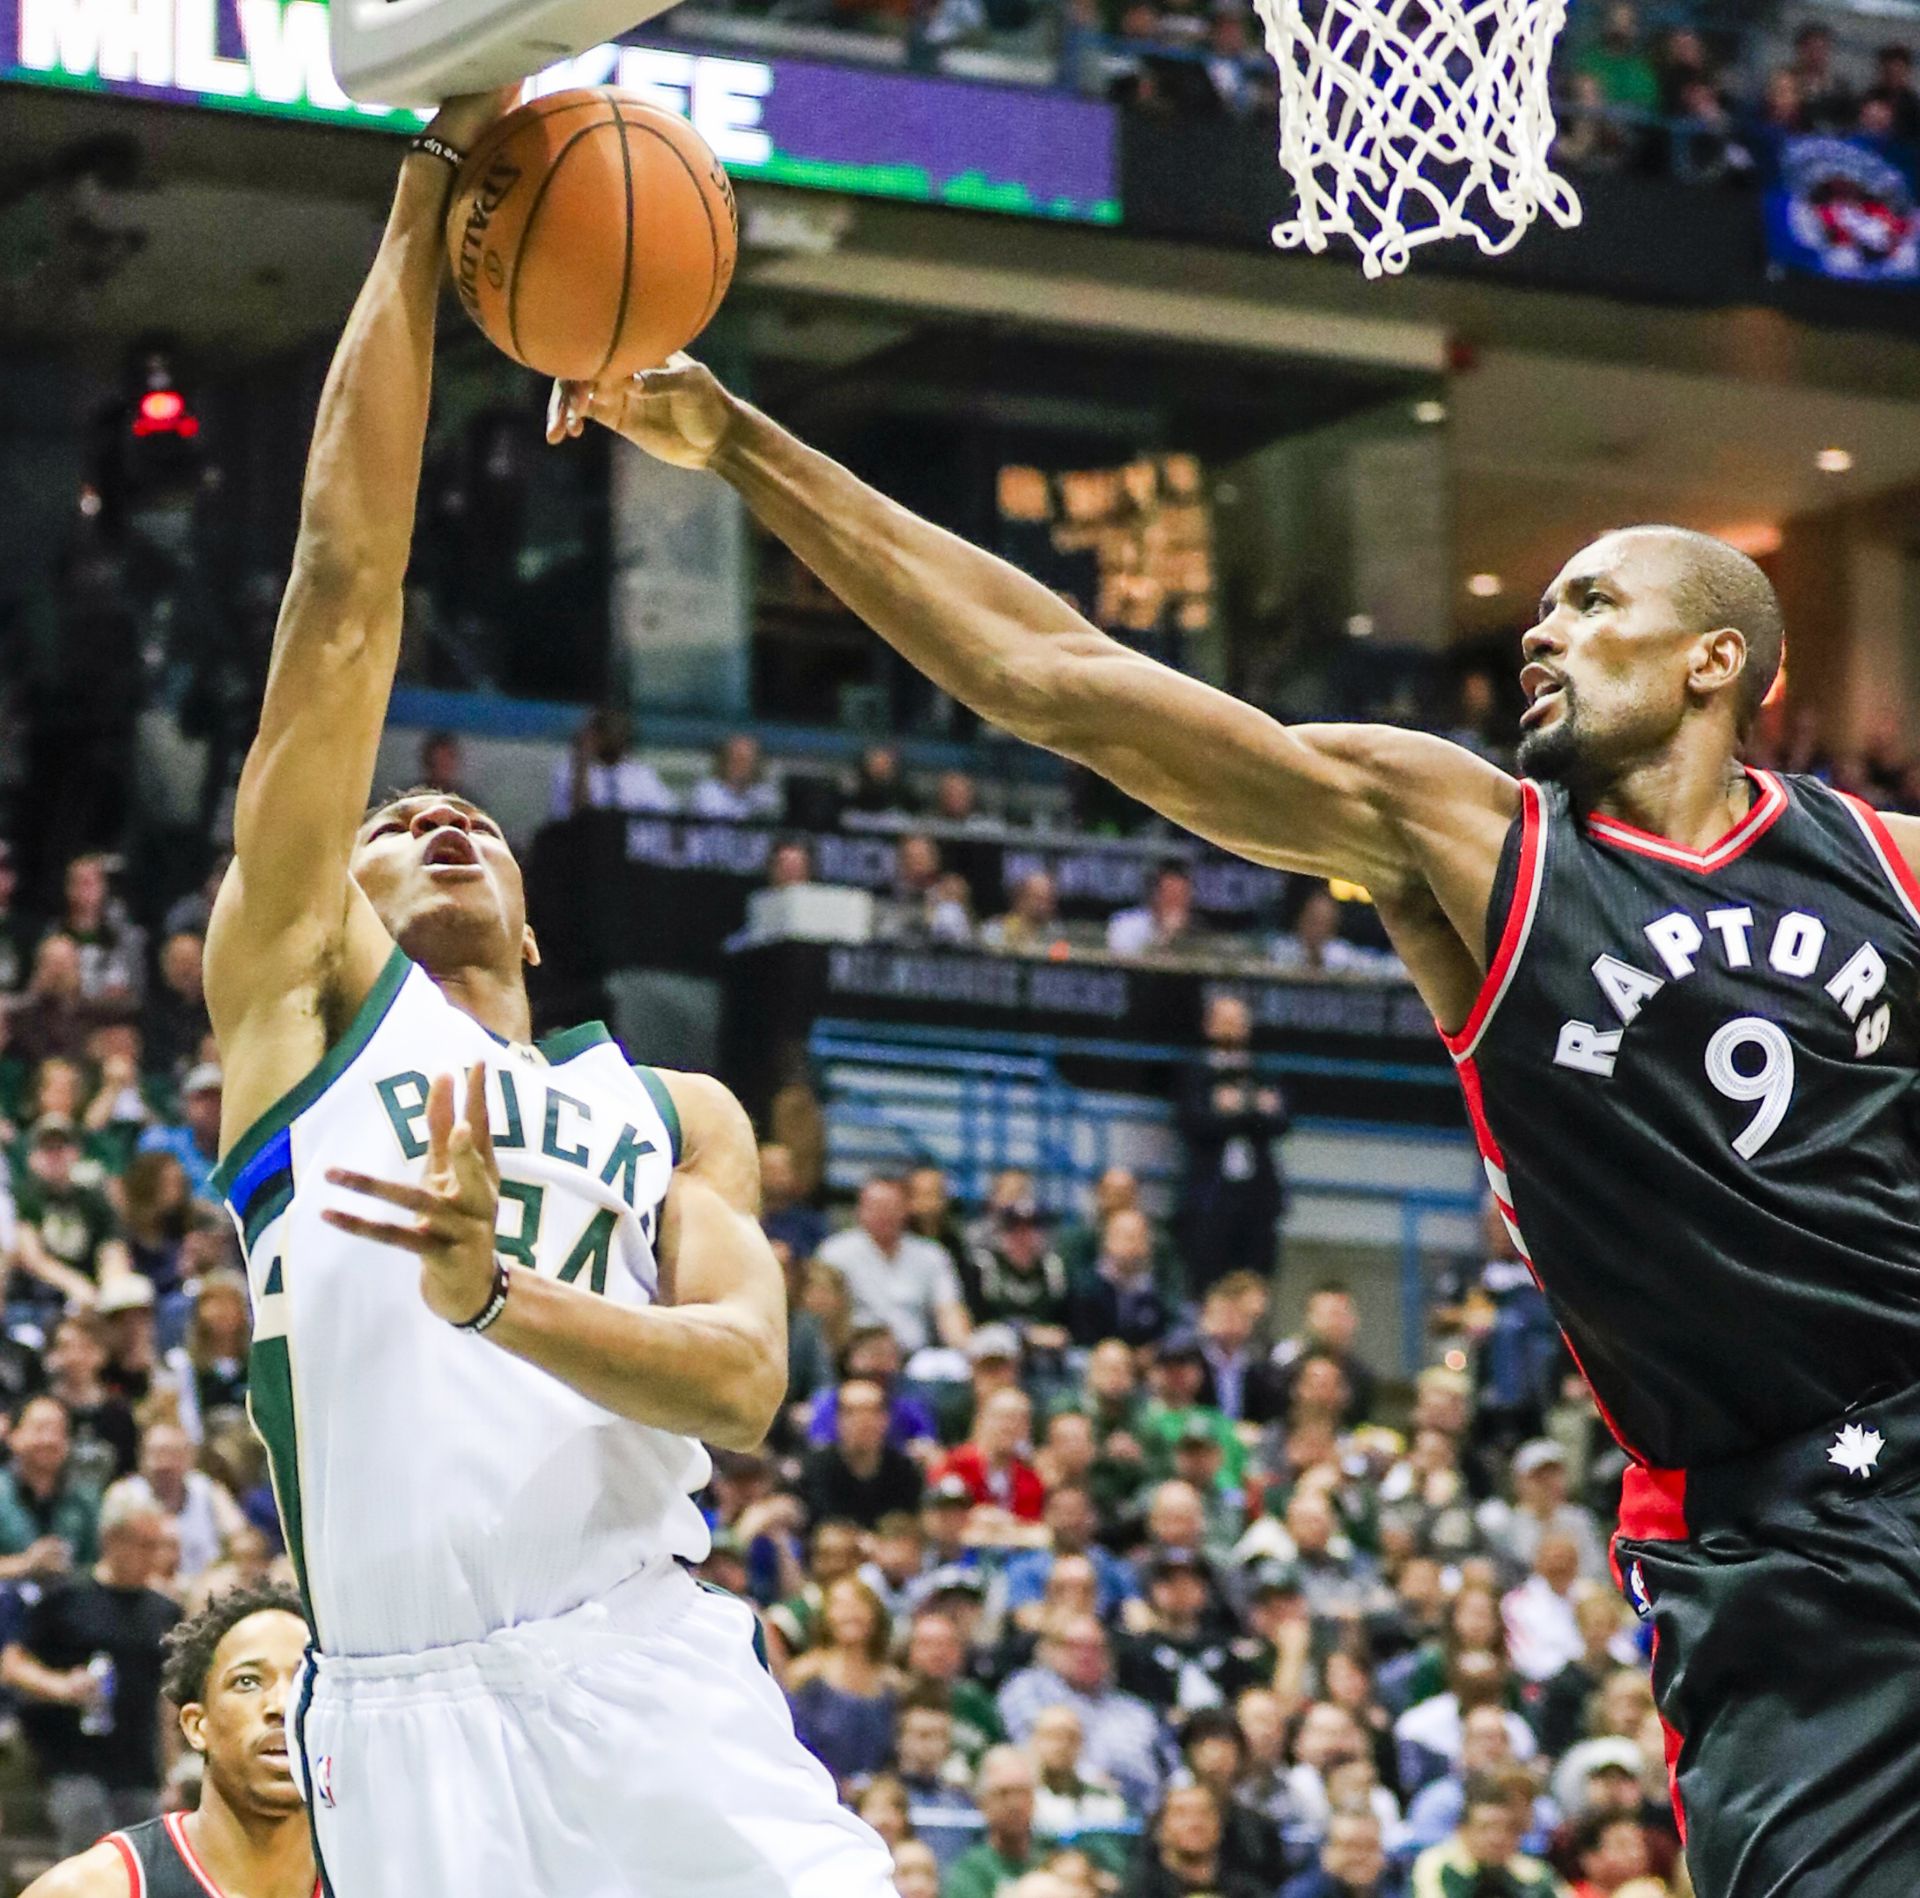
(1552, 754)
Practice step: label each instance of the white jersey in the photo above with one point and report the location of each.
(435, 1488)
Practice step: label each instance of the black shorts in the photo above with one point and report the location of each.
(1784, 1593)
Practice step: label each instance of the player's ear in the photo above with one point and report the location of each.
(193, 1725)
(1718, 659)
(529, 946)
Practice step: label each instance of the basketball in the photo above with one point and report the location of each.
(591, 234)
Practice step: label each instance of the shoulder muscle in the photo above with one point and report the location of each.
(717, 1142)
(98, 1872)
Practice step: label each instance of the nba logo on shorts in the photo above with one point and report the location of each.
(1636, 1593)
(323, 1779)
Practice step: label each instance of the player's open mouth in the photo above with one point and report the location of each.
(450, 850)
(1542, 690)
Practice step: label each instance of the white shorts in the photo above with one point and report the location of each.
(633, 1748)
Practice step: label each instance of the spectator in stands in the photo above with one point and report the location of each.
(1031, 924)
(1241, 1382)
(48, 1518)
(925, 905)
(881, 1801)
(1560, 1713)
(599, 774)
(1484, 1855)
(17, 931)
(859, 1477)
(1072, 1799)
(52, 1018)
(916, 1871)
(1590, 137)
(1542, 1633)
(105, 1439)
(1540, 1505)
(1314, 946)
(1121, 1297)
(1892, 89)
(442, 767)
(872, 1356)
(1005, 1792)
(1330, 1328)
(1116, 1190)
(68, 1236)
(1428, 1735)
(113, 952)
(894, 1277)
(1828, 103)
(1608, 1850)
(879, 789)
(1022, 1282)
(1186, 1860)
(842, 1691)
(1704, 142)
(930, 1214)
(1486, 1746)
(956, 800)
(125, 1310)
(1619, 63)
(1072, 1524)
(833, 1550)
(87, 1663)
(1232, 1192)
(1215, 1754)
(993, 1462)
(1165, 924)
(1352, 1862)
(193, 912)
(789, 863)
(176, 1018)
(203, 1514)
(1239, 82)
(936, 1653)
(194, 1139)
(1073, 1669)
(935, 1775)
(737, 789)
(785, 1217)
(1620, 1710)
(1177, 1378)
(209, 1369)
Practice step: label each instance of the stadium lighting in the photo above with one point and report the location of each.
(1429, 414)
(165, 412)
(1834, 461)
(1486, 586)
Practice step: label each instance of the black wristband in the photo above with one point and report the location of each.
(438, 148)
(496, 1300)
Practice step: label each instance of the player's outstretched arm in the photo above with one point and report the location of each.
(281, 925)
(1366, 803)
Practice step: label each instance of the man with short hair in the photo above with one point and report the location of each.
(939, 1807)
(194, 1139)
(1486, 1746)
(737, 790)
(69, 1235)
(1608, 1850)
(203, 1514)
(49, 1521)
(1004, 1790)
(1483, 1858)
(1072, 1523)
(87, 1664)
(993, 1462)
(785, 1217)
(1074, 1801)
(1122, 1293)
(176, 1020)
(1353, 1863)
(1073, 1668)
(1540, 1507)
(230, 1672)
(1233, 1190)
(1329, 1327)
(1177, 1378)
(859, 1477)
(1243, 1384)
(893, 1276)
(1186, 1859)
(1542, 1633)
(106, 1441)
(937, 1655)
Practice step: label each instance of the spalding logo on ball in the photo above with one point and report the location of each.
(591, 234)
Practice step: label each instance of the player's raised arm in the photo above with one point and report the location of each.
(283, 915)
(1349, 801)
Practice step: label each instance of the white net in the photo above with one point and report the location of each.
(1405, 121)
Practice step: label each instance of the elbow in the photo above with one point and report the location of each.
(752, 1401)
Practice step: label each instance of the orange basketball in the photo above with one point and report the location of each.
(591, 234)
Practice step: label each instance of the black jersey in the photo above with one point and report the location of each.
(1690, 1076)
(161, 1861)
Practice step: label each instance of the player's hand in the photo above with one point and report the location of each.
(462, 119)
(453, 1207)
(679, 414)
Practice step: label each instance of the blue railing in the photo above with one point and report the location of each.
(975, 1103)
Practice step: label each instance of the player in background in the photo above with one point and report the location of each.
(495, 1317)
(1682, 999)
(229, 1671)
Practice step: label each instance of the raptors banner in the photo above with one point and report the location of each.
(1846, 209)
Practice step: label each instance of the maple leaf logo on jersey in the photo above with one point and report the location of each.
(1856, 1450)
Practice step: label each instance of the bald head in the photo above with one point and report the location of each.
(1715, 585)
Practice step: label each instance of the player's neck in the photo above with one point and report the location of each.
(259, 1855)
(496, 1002)
(1690, 799)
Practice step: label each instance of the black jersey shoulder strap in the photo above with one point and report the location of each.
(161, 1861)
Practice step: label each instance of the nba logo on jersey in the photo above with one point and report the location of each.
(323, 1779)
(1636, 1593)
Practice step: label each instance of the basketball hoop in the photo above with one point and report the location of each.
(1406, 121)
(418, 52)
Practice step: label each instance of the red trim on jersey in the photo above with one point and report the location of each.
(1653, 1505)
(136, 1872)
(176, 1824)
(1892, 859)
(1513, 933)
(1490, 1153)
(1766, 811)
(1671, 1735)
